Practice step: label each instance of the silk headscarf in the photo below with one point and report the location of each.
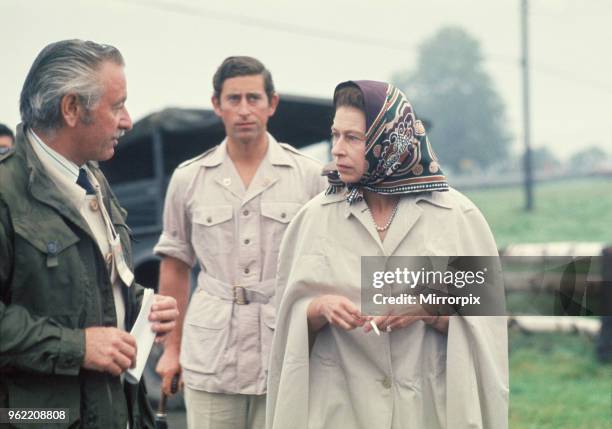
(399, 157)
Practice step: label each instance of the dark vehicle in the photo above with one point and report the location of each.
(146, 157)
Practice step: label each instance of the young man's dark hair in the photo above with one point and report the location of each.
(242, 66)
(6, 131)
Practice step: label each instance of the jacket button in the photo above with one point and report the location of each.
(387, 383)
(93, 205)
(245, 213)
(208, 219)
(52, 247)
(247, 241)
(246, 271)
(283, 215)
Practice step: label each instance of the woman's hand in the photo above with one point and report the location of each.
(336, 310)
(390, 323)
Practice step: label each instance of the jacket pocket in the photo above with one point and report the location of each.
(213, 231)
(267, 324)
(206, 333)
(275, 219)
(49, 272)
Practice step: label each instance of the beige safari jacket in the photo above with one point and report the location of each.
(234, 235)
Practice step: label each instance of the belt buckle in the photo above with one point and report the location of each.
(240, 295)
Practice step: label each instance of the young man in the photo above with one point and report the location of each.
(227, 210)
(67, 295)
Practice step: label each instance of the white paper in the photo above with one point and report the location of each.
(144, 337)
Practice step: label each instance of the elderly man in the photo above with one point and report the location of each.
(227, 210)
(67, 294)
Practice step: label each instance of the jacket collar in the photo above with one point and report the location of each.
(439, 199)
(40, 185)
(266, 176)
(408, 214)
(436, 198)
(276, 154)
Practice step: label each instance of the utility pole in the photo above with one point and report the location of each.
(526, 113)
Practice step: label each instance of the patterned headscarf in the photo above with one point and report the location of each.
(399, 158)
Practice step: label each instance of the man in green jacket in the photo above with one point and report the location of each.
(67, 295)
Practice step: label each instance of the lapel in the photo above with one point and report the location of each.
(267, 173)
(408, 213)
(360, 211)
(223, 171)
(228, 178)
(264, 178)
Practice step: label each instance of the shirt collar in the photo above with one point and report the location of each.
(61, 171)
(275, 153)
(278, 155)
(53, 159)
(217, 156)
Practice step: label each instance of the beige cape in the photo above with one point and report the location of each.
(414, 377)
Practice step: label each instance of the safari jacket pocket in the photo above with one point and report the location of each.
(205, 333)
(212, 229)
(275, 219)
(280, 212)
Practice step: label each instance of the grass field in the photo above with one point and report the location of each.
(555, 379)
(568, 210)
(556, 382)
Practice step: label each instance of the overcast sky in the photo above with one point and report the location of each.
(173, 47)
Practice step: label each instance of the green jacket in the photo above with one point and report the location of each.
(53, 284)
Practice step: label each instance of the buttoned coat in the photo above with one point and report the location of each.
(414, 377)
(53, 284)
(233, 233)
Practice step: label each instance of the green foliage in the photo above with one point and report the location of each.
(450, 87)
(544, 158)
(556, 382)
(567, 210)
(588, 157)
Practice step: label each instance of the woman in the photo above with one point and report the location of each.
(387, 197)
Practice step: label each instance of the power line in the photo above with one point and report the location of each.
(268, 24)
(302, 30)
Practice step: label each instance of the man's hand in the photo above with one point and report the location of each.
(164, 312)
(336, 310)
(167, 367)
(109, 350)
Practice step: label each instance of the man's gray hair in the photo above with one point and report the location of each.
(61, 68)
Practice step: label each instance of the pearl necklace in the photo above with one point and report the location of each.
(388, 224)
